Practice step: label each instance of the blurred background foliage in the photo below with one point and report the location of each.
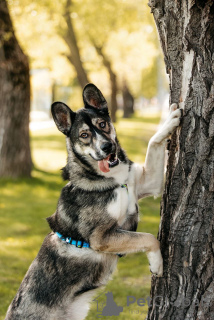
(123, 29)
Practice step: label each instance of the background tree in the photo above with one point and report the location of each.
(113, 79)
(128, 101)
(70, 38)
(15, 156)
(186, 291)
(99, 21)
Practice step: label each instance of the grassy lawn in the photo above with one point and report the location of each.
(25, 203)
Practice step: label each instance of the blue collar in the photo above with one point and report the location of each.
(76, 243)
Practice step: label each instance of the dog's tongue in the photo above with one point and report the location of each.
(104, 165)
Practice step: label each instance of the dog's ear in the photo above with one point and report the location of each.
(93, 97)
(63, 117)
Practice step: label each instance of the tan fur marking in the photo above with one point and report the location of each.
(123, 241)
(96, 123)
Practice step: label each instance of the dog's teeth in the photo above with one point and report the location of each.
(113, 162)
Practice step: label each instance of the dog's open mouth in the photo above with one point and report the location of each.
(109, 162)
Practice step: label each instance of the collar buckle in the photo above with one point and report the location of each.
(68, 240)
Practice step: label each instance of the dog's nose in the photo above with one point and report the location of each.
(106, 147)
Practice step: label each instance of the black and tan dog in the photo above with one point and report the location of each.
(96, 216)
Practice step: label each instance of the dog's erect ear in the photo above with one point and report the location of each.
(63, 117)
(93, 97)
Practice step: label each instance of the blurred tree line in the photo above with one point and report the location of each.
(106, 42)
(111, 43)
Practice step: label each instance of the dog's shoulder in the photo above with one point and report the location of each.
(79, 211)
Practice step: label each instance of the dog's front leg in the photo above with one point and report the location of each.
(150, 179)
(115, 240)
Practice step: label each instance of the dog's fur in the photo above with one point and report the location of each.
(95, 208)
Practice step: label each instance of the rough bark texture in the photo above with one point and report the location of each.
(113, 80)
(15, 157)
(186, 30)
(70, 39)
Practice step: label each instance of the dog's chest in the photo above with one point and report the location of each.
(124, 203)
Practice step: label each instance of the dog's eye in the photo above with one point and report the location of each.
(84, 135)
(102, 124)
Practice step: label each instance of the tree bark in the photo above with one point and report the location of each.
(71, 41)
(186, 291)
(113, 80)
(15, 156)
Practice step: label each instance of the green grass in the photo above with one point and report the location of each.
(25, 204)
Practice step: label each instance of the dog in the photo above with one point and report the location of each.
(97, 213)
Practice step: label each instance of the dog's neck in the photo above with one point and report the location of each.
(85, 174)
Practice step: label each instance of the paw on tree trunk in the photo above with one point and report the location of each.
(186, 291)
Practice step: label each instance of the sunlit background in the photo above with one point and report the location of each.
(123, 29)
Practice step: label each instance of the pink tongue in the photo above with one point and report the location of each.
(103, 165)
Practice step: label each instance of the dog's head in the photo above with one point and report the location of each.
(90, 133)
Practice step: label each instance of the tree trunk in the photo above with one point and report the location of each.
(186, 291)
(113, 80)
(15, 157)
(128, 101)
(70, 39)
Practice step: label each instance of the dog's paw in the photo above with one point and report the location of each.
(156, 262)
(171, 123)
(174, 119)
